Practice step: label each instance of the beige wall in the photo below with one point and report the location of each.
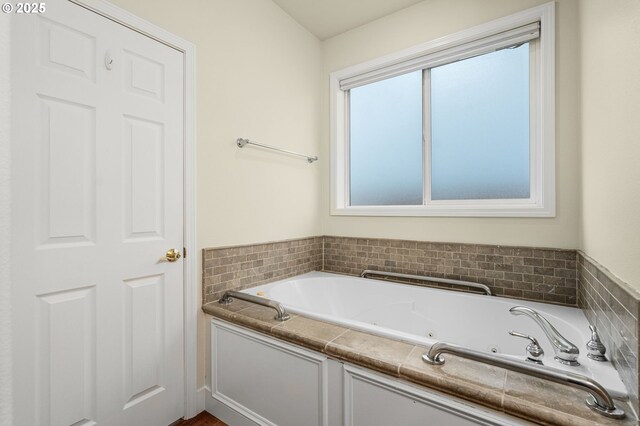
(610, 225)
(432, 19)
(258, 77)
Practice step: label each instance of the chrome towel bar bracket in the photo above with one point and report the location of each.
(241, 142)
(599, 399)
(479, 286)
(228, 296)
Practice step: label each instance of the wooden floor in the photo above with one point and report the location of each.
(202, 419)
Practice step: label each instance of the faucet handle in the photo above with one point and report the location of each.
(534, 350)
(595, 348)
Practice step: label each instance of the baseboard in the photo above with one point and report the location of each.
(201, 398)
(222, 411)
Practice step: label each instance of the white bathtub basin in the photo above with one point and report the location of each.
(425, 315)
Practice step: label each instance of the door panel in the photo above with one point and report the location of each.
(98, 163)
(67, 172)
(66, 348)
(67, 50)
(143, 76)
(143, 333)
(143, 154)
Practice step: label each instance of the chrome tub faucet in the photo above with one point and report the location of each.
(595, 349)
(566, 352)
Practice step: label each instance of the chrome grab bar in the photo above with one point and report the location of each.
(479, 286)
(241, 142)
(282, 314)
(599, 399)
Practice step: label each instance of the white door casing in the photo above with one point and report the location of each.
(98, 163)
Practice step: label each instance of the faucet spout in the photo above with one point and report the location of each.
(566, 352)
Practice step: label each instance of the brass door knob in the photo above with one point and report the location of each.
(173, 255)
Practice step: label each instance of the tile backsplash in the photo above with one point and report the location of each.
(522, 272)
(240, 267)
(613, 307)
(538, 274)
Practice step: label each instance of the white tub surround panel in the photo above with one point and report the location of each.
(289, 386)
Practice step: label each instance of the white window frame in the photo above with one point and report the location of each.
(542, 127)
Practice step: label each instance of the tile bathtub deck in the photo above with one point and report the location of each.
(492, 387)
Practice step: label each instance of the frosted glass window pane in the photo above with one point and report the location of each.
(386, 142)
(480, 127)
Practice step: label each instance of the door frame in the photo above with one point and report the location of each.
(188, 50)
(6, 348)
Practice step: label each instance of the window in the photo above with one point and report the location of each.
(462, 126)
(480, 127)
(385, 135)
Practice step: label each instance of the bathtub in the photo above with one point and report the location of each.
(424, 316)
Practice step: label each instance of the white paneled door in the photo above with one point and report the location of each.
(97, 179)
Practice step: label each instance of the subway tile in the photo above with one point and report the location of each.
(512, 292)
(532, 295)
(503, 267)
(555, 298)
(469, 248)
(504, 283)
(523, 269)
(543, 271)
(544, 254)
(555, 281)
(497, 266)
(527, 287)
(512, 276)
(565, 273)
(478, 257)
(554, 263)
(608, 304)
(532, 261)
(565, 254)
(514, 260)
(522, 252)
(484, 249)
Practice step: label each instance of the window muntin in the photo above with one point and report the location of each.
(385, 134)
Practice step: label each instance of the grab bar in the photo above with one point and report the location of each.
(242, 142)
(282, 314)
(482, 287)
(599, 401)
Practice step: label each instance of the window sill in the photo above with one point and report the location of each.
(447, 211)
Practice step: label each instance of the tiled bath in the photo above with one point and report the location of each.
(558, 276)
